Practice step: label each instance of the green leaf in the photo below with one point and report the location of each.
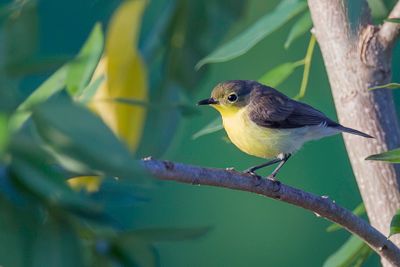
(32, 172)
(17, 226)
(137, 246)
(4, 132)
(81, 69)
(269, 23)
(167, 234)
(279, 74)
(392, 156)
(394, 20)
(57, 244)
(90, 90)
(387, 86)
(352, 253)
(378, 8)
(395, 224)
(214, 126)
(307, 66)
(81, 142)
(54, 84)
(301, 26)
(359, 210)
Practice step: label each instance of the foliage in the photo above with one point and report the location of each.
(64, 169)
(352, 253)
(68, 152)
(395, 224)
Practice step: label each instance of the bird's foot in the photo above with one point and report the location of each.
(250, 171)
(276, 183)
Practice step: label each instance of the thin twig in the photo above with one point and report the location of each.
(390, 30)
(322, 206)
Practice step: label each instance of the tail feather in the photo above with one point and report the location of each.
(353, 131)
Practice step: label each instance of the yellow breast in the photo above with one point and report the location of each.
(251, 138)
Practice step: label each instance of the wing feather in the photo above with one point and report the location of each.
(272, 109)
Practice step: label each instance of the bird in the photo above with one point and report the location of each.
(263, 122)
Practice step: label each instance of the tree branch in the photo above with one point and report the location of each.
(389, 30)
(322, 206)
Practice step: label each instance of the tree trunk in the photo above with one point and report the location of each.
(355, 61)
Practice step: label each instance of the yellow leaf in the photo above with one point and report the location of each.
(125, 75)
(87, 183)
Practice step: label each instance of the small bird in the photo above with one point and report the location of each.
(265, 123)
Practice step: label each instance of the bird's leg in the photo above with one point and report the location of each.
(254, 168)
(282, 162)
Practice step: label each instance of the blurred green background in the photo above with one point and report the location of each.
(246, 229)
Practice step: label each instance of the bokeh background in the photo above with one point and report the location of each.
(246, 229)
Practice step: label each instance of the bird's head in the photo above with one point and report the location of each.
(230, 96)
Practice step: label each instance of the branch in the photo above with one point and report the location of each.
(390, 31)
(322, 206)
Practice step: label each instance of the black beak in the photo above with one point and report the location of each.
(208, 101)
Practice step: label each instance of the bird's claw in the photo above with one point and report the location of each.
(276, 183)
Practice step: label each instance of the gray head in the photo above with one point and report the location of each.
(230, 94)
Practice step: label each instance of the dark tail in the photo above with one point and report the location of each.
(353, 131)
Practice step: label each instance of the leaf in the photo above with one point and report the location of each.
(301, 26)
(88, 183)
(387, 86)
(91, 90)
(395, 224)
(214, 126)
(167, 234)
(84, 146)
(359, 210)
(392, 156)
(16, 228)
(30, 169)
(279, 74)
(57, 244)
(4, 133)
(54, 84)
(394, 20)
(352, 253)
(137, 246)
(185, 109)
(269, 23)
(81, 69)
(307, 66)
(125, 74)
(378, 8)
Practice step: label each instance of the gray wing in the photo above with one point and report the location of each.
(272, 109)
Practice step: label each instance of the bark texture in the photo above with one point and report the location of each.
(321, 206)
(357, 58)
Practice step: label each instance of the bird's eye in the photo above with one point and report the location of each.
(232, 98)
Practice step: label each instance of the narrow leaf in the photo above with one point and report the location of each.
(301, 26)
(349, 253)
(54, 84)
(81, 69)
(57, 244)
(395, 224)
(392, 156)
(167, 234)
(394, 20)
(125, 75)
(378, 8)
(84, 145)
(387, 86)
(212, 127)
(266, 25)
(279, 74)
